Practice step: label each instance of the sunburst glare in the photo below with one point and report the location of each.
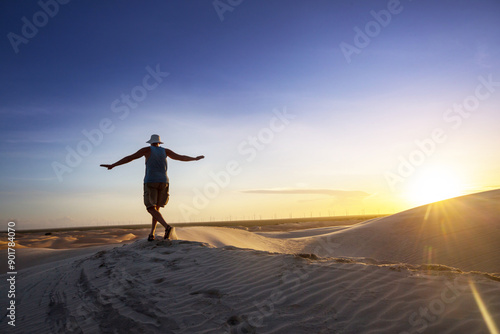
(435, 185)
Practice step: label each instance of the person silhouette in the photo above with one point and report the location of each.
(156, 182)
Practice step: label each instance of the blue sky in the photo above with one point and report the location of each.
(352, 120)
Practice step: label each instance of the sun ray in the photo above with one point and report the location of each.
(484, 310)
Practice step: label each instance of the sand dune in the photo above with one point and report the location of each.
(462, 232)
(364, 278)
(189, 287)
(73, 239)
(223, 236)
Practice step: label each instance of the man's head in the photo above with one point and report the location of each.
(155, 140)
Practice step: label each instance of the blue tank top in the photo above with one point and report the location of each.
(156, 166)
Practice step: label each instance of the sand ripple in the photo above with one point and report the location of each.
(191, 287)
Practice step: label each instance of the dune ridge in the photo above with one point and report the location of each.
(462, 232)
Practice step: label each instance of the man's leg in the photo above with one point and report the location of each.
(153, 227)
(153, 223)
(155, 196)
(155, 213)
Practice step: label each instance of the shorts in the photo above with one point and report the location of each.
(155, 194)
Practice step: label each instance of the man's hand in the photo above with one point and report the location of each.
(108, 166)
(200, 157)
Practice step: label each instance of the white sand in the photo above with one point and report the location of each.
(227, 280)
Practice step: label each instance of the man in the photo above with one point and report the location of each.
(156, 179)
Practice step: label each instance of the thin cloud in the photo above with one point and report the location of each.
(344, 194)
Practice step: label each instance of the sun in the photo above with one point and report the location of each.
(435, 185)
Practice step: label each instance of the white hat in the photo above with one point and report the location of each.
(154, 139)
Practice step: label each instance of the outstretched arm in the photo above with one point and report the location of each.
(128, 158)
(171, 154)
